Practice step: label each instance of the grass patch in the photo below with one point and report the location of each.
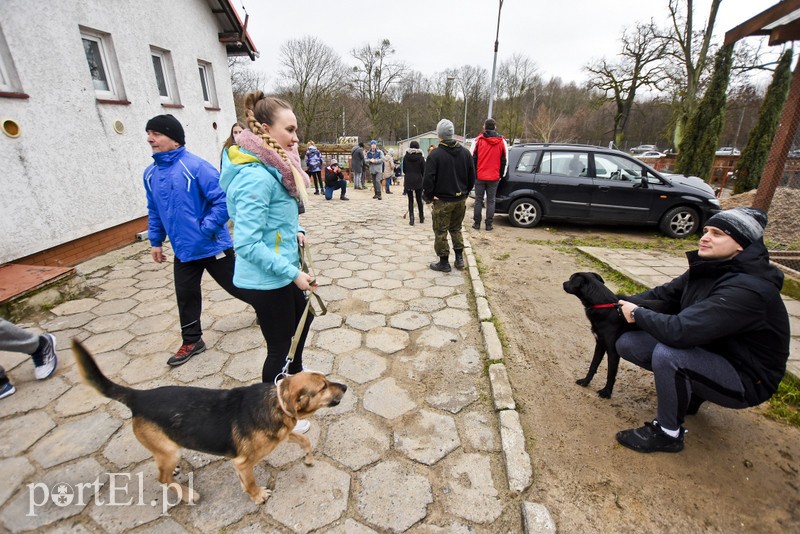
(503, 257)
(501, 333)
(784, 406)
(791, 288)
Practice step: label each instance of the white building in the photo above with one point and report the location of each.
(78, 81)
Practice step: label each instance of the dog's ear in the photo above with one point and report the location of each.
(287, 396)
(598, 277)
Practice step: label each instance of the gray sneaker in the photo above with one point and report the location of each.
(47, 350)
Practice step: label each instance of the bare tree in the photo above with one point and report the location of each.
(372, 77)
(639, 65)
(688, 52)
(243, 80)
(517, 83)
(311, 77)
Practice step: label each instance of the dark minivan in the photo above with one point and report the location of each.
(595, 184)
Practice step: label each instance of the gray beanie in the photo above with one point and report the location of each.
(445, 129)
(744, 225)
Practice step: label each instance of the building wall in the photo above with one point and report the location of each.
(69, 174)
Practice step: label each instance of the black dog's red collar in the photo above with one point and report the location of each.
(609, 305)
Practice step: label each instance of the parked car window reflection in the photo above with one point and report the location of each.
(565, 163)
(612, 167)
(527, 162)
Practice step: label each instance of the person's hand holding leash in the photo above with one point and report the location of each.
(626, 309)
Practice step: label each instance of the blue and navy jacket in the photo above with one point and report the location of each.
(186, 203)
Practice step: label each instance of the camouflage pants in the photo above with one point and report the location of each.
(448, 217)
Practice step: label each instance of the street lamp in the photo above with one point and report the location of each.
(494, 63)
(464, 92)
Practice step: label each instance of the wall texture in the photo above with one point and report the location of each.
(69, 174)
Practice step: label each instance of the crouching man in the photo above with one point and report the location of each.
(334, 179)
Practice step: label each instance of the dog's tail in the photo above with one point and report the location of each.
(95, 377)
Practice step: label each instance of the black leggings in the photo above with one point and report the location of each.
(411, 194)
(279, 311)
(317, 180)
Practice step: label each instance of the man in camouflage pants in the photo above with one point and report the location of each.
(449, 177)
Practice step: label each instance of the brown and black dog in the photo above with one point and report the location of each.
(244, 423)
(607, 323)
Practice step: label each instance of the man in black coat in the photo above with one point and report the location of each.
(449, 177)
(729, 341)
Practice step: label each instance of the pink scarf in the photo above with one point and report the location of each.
(268, 156)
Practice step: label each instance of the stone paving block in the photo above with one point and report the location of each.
(139, 501)
(370, 294)
(114, 307)
(406, 294)
(21, 514)
(154, 307)
(107, 342)
(353, 283)
(15, 471)
(10, 360)
(356, 442)
(333, 293)
(297, 508)
(438, 291)
(427, 304)
(479, 432)
(239, 341)
(246, 366)
(164, 526)
(484, 312)
(123, 449)
(339, 341)
(164, 343)
(227, 307)
(388, 340)
(64, 322)
(118, 283)
(119, 293)
(327, 321)
(33, 394)
(144, 368)
(410, 320)
(502, 394)
(362, 367)
(472, 494)
(427, 437)
(79, 399)
(365, 322)
(222, 501)
(153, 283)
(409, 494)
(437, 338)
(338, 273)
(537, 519)
(111, 363)
(204, 364)
(158, 323)
(458, 301)
(75, 439)
(387, 399)
(288, 452)
(387, 306)
(21, 432)
(399, 274)
(452, 396)
(491, 341)
(109, 323)
(518, 462)
(348, 526)
(469, 361)
(452, 318)
(233, 321)
(72, 307)
(454, 279)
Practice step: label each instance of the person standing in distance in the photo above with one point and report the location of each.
(186, 204)
(357, 165)
(449, 177)
(490, 154)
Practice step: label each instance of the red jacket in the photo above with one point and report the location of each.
(490, 154)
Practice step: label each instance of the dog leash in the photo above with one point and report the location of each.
(306, 265)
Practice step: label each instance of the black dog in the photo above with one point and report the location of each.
(607, 322)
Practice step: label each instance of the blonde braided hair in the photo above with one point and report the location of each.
(260, 109)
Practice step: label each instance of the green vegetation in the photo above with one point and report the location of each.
(754, 156)
(784, 406)
(503, 257)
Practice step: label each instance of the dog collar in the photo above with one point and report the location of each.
(280, 398)
(609, 305)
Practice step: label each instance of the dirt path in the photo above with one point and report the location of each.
(739, 471)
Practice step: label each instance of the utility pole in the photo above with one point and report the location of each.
(494, 63)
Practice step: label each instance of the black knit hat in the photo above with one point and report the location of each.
(744, 225)
(167, 125)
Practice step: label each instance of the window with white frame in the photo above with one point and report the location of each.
(103, 68)
(207, 84)
(9, 81)
(165, 75)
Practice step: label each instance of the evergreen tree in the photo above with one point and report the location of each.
(696, 151)
(755, 154)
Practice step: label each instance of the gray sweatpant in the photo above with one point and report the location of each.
(16, 339)
(679, 373)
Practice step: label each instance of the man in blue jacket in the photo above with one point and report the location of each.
(186, 204)
(728, 339)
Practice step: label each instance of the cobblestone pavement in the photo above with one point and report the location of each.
(426, 439)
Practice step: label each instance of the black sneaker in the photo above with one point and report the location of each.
(650, 438)
(186, 352)
(476, 226)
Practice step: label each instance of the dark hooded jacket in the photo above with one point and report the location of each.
(449, 173)
(412, 168)
(729, 307)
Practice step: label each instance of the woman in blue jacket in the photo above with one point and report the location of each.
(263, 182)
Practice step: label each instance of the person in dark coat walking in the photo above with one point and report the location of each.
(413, 168)
(728, 341)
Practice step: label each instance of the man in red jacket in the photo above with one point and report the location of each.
(490, 154)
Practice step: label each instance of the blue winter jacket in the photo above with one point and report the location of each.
(186, 203)
(265, 222)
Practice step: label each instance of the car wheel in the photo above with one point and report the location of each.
(680, 222)
(524, 213)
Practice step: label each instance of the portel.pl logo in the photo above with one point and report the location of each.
(122, 489)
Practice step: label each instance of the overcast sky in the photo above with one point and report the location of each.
(561, 36)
